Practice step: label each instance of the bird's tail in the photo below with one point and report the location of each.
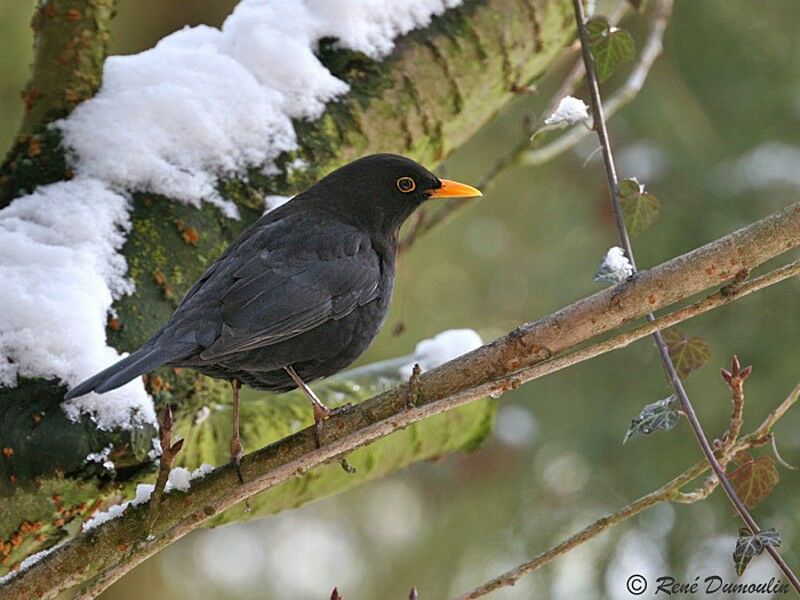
(143, 360)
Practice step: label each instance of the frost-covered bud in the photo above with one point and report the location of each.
(615, 267)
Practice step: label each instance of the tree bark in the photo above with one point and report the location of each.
(428, 97)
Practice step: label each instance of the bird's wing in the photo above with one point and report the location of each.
(280, 291)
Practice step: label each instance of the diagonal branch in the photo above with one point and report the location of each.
(120, 544)
(686, 404)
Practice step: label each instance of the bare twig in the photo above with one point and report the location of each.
(686, 404)
(735, 379)
(630, 89)
(168, 453)
(669, 492)
(490, 369)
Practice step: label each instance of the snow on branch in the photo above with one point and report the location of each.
(203, 104)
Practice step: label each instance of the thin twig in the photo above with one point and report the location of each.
(168, 453)
(686, 404)
(630, 89)
(669, 492)
(735, 379)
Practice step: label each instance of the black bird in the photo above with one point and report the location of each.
(300, 294)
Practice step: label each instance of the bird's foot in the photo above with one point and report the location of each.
(321, 414)
(237, 452)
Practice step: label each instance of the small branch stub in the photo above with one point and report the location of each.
(168, 453)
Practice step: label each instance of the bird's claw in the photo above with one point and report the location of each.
(321, 414)
(237, 452)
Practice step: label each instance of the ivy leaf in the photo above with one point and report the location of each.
(754, 478)
(610, 46)
(658, 416)
(687, 353)
(749, 545)
(597, 28)
(640, 209)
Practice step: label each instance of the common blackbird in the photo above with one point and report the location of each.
(300, 294)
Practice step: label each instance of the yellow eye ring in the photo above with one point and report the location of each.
(406, 185)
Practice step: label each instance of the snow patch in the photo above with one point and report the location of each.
(60, 268)
(179, 479)
(155, 449)
(102, 457)
(570, 110)
(206, 102)
(27, 564)
(443, 347)
(615, 267)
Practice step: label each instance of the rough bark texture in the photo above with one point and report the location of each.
(428, 97)
(70, 43)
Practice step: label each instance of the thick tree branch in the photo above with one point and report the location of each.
(120, 544)
(70, 44)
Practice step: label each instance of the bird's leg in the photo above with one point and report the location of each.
(236, 443)
(321, 412)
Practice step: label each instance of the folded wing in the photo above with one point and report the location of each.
(279, 293)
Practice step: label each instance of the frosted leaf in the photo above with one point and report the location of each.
(570, 110)
(615, 267)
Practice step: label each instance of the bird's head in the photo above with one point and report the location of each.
(381, 191)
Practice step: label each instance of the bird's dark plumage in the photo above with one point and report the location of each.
(306, 286)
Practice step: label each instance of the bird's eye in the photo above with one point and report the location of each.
(406, 184)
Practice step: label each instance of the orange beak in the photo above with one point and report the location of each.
(453, 189)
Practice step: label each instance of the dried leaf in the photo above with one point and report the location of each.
(610, 46)
(754, 479)
(687, 353)
(640, 209)
(749, 545)
(658, 416)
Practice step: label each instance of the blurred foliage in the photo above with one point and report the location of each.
(727, 84)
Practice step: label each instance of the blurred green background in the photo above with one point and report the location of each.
(714, 135)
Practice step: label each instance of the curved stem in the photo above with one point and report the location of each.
(686, 404)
